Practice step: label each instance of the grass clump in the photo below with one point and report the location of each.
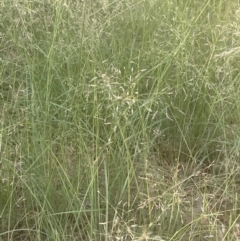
(119, 120)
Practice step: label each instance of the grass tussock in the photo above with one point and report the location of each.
(119, 120)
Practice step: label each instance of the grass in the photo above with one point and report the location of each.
(119, 120)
